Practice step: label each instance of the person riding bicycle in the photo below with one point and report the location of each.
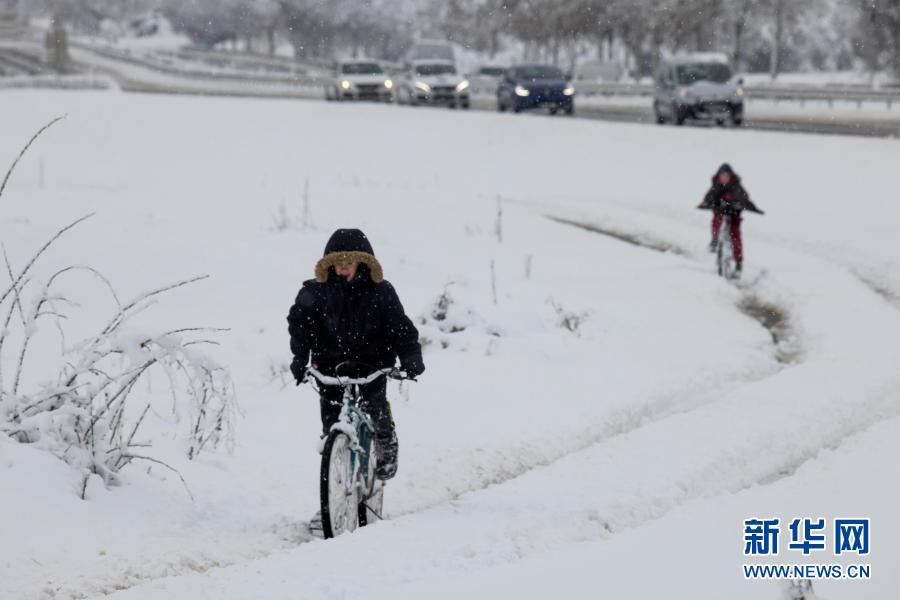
(350, 313)
(727, 196)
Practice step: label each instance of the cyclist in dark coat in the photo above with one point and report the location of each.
(727, 196)
(350, 313)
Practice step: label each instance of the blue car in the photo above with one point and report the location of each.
(524, 87)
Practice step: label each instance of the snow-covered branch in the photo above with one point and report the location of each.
(81, 405)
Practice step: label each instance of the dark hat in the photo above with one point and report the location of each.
(348, 245)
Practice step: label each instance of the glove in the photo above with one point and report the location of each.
(413, 366)
(299, 372)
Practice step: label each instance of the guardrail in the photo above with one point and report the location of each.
(57, 82)
(13, 61)
(162, 66)
(243, 61)
(802, 94)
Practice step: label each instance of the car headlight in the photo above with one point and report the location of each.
(462, 85)
(569, 90)
(388, 83)
(683, 92)
(346, 84)
(423, 86)
(739, 91)
(520, 91)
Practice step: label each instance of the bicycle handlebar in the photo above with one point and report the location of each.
(342, 381)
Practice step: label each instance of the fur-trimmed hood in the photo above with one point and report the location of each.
(348, 245)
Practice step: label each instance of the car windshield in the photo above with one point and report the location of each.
(361, 69)
(435, 69)
(539, 72)
(715, 72)
(432, 51)
(492, 71)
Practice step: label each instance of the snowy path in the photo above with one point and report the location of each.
(716, 448)
(523, 442)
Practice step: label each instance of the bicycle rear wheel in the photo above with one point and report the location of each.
(338, 491)
(719, 263)
(371, 505)
(371, 509)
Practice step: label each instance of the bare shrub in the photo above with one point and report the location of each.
(567, 319)
(84, 410)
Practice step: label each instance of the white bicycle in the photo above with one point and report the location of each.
(350, 494)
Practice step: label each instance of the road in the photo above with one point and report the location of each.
(812, 123)
(21, 60)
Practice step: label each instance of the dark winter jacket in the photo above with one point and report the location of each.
(728, 199)
(361, 320)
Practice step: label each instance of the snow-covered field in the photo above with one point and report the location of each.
(617, 460)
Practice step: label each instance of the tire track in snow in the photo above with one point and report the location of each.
(621, 423)
(520, 460)
(726, 462)
(774, 318)
(639, 239)
(882, 289)
(513, 462)
(880, 286)
(544, 510)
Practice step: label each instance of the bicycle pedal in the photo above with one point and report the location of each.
(315, 529)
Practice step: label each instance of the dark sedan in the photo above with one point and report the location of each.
(535, 86)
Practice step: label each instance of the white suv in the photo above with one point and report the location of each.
(697, 86)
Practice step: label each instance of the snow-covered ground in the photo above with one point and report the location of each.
(619, 459)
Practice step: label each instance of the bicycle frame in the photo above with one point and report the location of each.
(354, 422)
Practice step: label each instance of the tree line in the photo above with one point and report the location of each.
(757, 35)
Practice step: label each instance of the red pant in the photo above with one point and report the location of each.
(735, 233)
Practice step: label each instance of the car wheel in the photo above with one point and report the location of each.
(517, 108)
(738, 121)
(465, 105)
(660, 120)
(570, 109)
(677, 115)
(554, 110)
(501, 105)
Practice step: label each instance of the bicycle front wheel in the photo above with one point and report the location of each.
(338, 491)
